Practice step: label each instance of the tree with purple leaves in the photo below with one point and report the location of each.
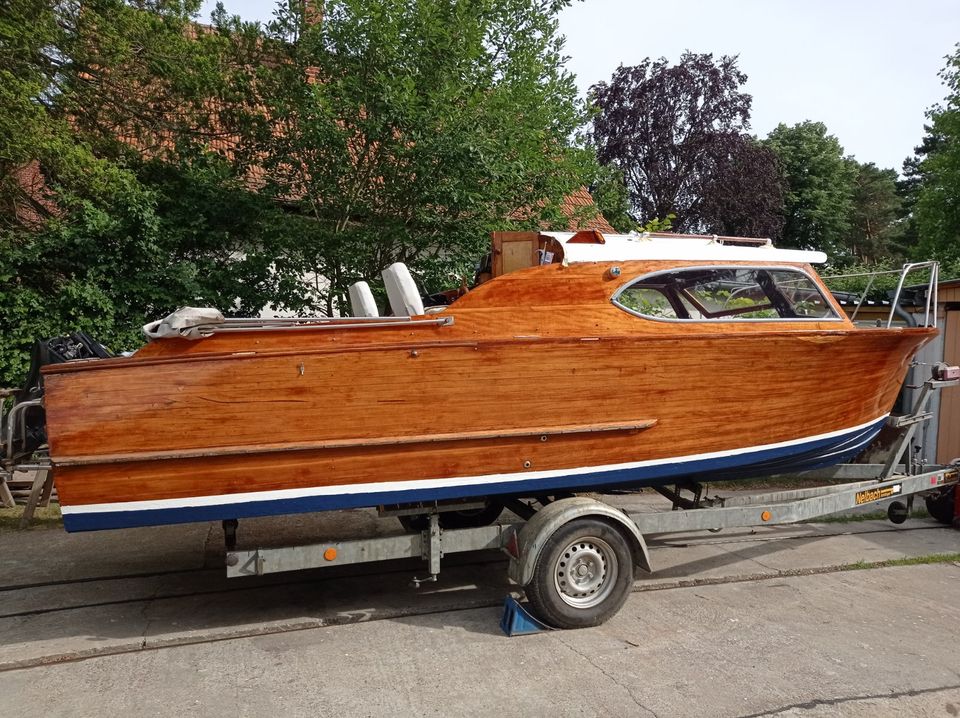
(678, 136)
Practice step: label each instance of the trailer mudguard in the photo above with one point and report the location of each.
(537, 531)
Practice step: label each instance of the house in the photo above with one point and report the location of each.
(582, 213)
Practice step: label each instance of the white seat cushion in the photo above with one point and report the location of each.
(402, 291)
(362, 303)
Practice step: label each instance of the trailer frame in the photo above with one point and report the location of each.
(432, 544)
(529, 542)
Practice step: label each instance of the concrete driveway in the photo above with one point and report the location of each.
(766, 622)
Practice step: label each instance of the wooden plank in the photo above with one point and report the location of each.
(42, 478)
(542, 432)
(6, 498)
(948, 432)
(47, 493)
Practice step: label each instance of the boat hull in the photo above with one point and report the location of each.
(339, 427)
(799, 455)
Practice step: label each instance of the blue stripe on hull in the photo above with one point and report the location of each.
(765, 462)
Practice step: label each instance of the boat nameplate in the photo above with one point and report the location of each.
(878, 494)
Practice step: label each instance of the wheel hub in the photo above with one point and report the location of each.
(585, 572)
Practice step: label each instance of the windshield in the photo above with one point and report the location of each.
(726, 293)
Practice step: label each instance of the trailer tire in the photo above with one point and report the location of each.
(583, 574)
(940, 504)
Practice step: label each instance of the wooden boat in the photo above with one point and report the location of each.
(583, 362)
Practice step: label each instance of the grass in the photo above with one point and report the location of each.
(43, 518)
(866, 516)
(783, 483)
(909, 561)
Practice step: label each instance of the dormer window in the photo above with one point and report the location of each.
(726, 294)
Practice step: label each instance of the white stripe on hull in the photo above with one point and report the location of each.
(419, 484)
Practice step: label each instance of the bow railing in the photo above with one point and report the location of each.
(876, 277)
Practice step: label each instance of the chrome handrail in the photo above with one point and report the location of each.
(242, 325)
(931, 305)
(287, 321)
(931, 291)
(863, 297)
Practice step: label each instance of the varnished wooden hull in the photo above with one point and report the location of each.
(225, 428)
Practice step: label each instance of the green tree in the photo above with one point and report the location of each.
(875, 227)
(937, 209)
(178, 164)
(408, 130)
(94, 235)
(26, 27)
(819, 188)
(610, 194)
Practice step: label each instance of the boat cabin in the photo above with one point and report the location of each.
(728, 288)
(655, 276)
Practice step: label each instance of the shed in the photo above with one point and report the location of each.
(941, 441)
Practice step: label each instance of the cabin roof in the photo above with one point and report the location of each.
(679, 247)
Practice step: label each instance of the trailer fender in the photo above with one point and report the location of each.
(531, 539)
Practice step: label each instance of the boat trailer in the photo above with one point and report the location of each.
(574, 556)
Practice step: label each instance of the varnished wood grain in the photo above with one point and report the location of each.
(542, 347)
(549, 301)
(544, 432)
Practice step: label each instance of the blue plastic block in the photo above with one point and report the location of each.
(517, 621)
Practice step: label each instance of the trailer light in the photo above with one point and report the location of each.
(945, 372)
(330, 554)
(512, 546)
(766, 516)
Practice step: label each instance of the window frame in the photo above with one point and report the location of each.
(838, 316)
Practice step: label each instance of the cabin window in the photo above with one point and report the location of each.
(726, 293)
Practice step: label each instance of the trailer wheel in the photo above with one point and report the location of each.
(583, 575)
(940, 504)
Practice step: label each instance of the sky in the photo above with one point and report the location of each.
(865, 68)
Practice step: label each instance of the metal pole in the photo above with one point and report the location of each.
(863, 297)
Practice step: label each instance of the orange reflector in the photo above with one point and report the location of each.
(330, 554)
(766, 516)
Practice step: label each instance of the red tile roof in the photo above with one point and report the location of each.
(580, 209)
(36, 202)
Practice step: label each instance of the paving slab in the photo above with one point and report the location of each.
(792, 549)
(47, 620)
(875, 642)
(31, 557)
